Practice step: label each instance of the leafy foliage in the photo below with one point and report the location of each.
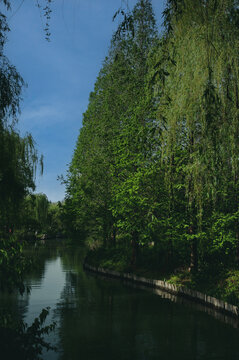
(18, 163)
(156, 162)
(24, 342)
(13, 265)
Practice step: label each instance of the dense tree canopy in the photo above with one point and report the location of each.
(156, 161)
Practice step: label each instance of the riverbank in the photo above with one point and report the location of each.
(122, 320)
(219, 289)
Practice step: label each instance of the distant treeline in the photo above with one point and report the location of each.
(157, 158)
(39, 218)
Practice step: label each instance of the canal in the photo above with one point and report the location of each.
(100, 318)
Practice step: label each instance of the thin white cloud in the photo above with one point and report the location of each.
(42, 112)
(49, 114)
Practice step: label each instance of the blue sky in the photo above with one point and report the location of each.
(60, 74)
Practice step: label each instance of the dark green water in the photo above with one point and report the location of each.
(105, 319)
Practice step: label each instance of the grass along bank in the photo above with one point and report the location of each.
(216, 281)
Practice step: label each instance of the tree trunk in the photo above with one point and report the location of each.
(237, 244)
(236, 224)
(113, 236)
(135, 248)
(192, 215)
(194, 252)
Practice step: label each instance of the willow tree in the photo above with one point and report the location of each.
(19, 157)
(41, 209)
(198, 104)
(134, 193)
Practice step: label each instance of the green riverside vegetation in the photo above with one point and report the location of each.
(20, 211)
(153, 183)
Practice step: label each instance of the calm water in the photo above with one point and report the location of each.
(105, 319)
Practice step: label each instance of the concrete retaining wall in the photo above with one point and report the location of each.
(170, 288)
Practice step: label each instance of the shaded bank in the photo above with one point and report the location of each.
(171, 288)
(100, 318)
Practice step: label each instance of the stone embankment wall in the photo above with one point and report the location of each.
(171, 288)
